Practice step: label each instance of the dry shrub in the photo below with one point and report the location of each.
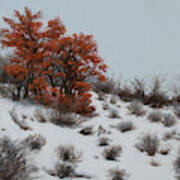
(169, 135)
(177, 167)
(136, 108)
(154, 163)
(112, 153)
(40, 116)
(114, 113)
(68, 154)
(86, 131)
(177, 111)
(101, 96)
(105, 106)
(35, 142)
(155, 116)
(149, 144)
(113, 100)
(65, 119)
(110, 86)
(103, 141)
(157, 98)
(117, 174)
(164, 150)
(125, 126)
(13, 162)
(169, 120)
(64, 170)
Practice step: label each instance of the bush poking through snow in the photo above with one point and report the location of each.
(64, 170)
(114, 113)
(103, 141)
(155, 116)
(13, 163)
(40, 116)
(101, 96)
(177, 111)
(86, 131)
(125, 126)
(149, 144)
(177, 167)
(105, 106)
(68, 154)
(112, 153)
(154, 163)
(65, 119)
(35, 142)
(169, 135)
(164, 150)
(117, 174)
(169, 120)
(136, 108)
(113, 100)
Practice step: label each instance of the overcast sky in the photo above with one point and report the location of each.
(135, 37)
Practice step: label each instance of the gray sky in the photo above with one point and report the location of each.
(135, 37)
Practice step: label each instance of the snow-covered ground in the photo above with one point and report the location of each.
(93, 164)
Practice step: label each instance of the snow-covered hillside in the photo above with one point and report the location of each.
(18, 120)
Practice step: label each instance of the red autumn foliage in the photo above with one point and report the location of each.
(49, 65)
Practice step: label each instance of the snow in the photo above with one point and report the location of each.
(93, 164)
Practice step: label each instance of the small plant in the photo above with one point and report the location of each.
(164, 150)
(154, 163)
(101, 96)
(104, 141)
(169, 135)
(169, 120)
(112, 153)
(136, 108)
(40, 116)
(65, 119)
(155, 116)
(35, 142)
(149, 144)
(117, 174)
(13, 163)
(86, 131)
(114, 113)
(105, 106)
(113, 100)
(64, 170)
(177, 111)
(125, 126)
(68, 154)
(177, 167)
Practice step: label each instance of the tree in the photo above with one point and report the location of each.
(49, 65)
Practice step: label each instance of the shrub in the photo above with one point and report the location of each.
(164, 150)
(68, 154)
(136, 108)
(49, 65)
(112, 153)
(114, 113)
(86, 131)
(149, 144)
(154, 163)
(40, 116)
(35, 141)
(65, 119)
(113, 100)
(169, 135)
(169, 120)
(177, 111)
(125, 126)
(101, 96)
(103, 141)
(105, 106)
(117, 174)
(155, 116)
(13, 163)
(177, 167)
(64, 170)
